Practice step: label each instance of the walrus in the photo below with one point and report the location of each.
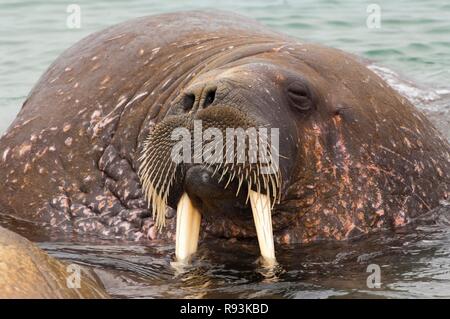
(91, 150)
(29, 272)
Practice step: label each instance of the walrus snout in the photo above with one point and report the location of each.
(210, 197)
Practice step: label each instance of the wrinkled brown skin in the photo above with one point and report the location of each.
(366, 157)
(26, 271)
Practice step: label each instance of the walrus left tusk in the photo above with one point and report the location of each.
(188, 229)
(262, 215)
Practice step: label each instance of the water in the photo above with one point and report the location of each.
(411, 51)
(413, 263)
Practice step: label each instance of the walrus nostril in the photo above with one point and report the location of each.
(188, 101)
(209, 97)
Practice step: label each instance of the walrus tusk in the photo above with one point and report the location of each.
(262, 215)
(188, 229)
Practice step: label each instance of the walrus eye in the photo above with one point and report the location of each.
(299, 96)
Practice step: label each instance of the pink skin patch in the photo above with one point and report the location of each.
(400, 219)
(24, 148)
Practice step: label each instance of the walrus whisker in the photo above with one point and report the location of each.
(151, 158)
(216, 170)
(249, 183)
(165, 188)
(234, 172)
(230, 178)
(156, 181)
(258, 186)
(162, 174)
(239, 186)
(224, 172)
(265, 180)
(146, 156)
(161, 218)
(274, 188)
(153, 172)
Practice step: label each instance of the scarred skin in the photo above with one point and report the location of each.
(364, 157)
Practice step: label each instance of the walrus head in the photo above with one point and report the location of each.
(334, 174)
(220, 179)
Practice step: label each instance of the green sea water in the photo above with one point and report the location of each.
(410, 49)
(413, 38)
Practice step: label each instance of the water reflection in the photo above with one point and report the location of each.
(414, 262)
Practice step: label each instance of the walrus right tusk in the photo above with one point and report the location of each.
(262, 214)
(188, 229)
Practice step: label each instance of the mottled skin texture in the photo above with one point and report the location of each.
(364, 156)
(26, 271)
